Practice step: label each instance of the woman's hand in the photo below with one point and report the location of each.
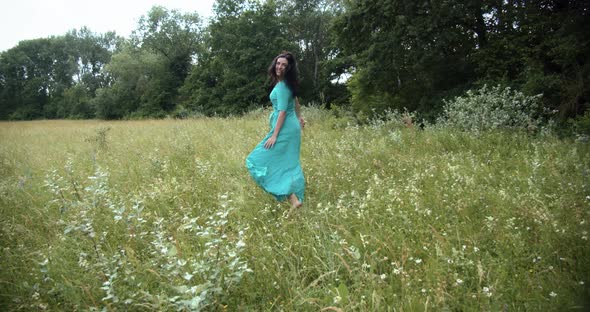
(270, 142)
(302, 122)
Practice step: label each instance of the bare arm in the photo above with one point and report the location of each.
(298, 112)
(272, 140)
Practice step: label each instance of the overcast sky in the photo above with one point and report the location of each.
(32, 19)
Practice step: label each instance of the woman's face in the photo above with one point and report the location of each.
(281, 66)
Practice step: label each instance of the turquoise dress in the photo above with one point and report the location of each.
(278, 169)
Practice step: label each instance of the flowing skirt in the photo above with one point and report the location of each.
(278, 169)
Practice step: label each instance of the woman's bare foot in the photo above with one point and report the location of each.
(295, 203)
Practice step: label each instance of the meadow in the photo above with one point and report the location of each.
(162, 215)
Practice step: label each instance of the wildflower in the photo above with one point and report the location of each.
(553, 294)
(459, 281)
(337, 299)
(581, 283)
(487, 291)
(418, 261)
(383, 276)
(187, 276)
(475, 249)
(423, 290)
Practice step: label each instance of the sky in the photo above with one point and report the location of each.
(32, 19)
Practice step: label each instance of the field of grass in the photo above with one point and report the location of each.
(163, 216)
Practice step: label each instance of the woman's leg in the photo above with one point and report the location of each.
(295, 203)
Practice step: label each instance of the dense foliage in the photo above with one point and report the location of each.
(371, 56)
(411, 54)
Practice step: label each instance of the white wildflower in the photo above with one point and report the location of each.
(487, 291)
(553, 294)
(187, 276)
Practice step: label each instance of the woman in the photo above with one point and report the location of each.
(274, 163)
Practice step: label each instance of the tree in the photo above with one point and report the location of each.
(557, 59)
(36, 75)
(136, 89)
(30, 77)
(92, 52)
(308, 24)
(411, 54)
(177, 39)
(230, 77)
(407, 54)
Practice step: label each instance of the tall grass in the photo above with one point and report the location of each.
(162, 215)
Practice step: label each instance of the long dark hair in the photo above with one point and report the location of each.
(290, 74)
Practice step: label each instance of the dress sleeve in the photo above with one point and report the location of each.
(283, 97)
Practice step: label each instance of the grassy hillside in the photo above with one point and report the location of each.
(162, 215)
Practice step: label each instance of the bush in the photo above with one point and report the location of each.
(492, 108)
(580, 126)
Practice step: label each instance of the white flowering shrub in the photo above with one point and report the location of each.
(491, 108)
(183, 276)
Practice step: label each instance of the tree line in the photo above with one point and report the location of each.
(366, 55)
